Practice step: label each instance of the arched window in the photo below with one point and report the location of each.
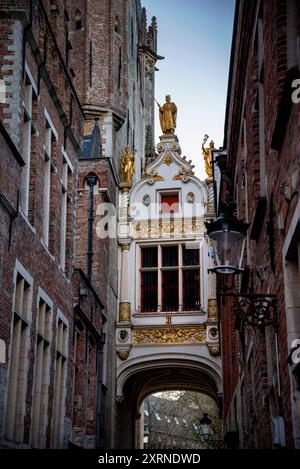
(78, 20)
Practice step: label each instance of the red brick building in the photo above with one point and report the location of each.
(76, 87)
(41, 140)
(260, 367)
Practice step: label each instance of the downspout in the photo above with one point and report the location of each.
(100, 346)
(91, 182)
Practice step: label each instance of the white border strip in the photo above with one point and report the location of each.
(291, 231)
(66, 157)
(31, 79)
(49, 120)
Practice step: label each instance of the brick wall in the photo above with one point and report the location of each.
(21, 241)
(265, 171)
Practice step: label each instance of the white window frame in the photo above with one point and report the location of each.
(39, 412)
(60, 375)
(50, 135)
(67, 171)
(160, 269)
(16, 406)
(174, 191)
(28, 129)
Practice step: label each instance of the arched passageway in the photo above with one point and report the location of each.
(139, 381)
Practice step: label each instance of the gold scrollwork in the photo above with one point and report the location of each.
(124, 312)
(146, 229)
(169, 335)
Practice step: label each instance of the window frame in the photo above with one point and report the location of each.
(160, 269)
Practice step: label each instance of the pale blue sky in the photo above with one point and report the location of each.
(194, 36)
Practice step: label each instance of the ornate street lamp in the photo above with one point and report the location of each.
(226, 237)
(206, 432)
(146, 436)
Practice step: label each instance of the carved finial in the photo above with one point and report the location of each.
(150, 154)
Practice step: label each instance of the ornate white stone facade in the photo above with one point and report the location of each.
(148, 340)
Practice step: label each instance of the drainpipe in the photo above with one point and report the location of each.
(91, 182)
(101, 344)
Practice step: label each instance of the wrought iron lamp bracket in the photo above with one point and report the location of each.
(257, 310)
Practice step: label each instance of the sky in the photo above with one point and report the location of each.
(194, 36)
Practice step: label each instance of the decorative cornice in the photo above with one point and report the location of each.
(160, 228)
(169, 335)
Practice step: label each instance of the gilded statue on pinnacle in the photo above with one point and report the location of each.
(207, 155)
(168, 116)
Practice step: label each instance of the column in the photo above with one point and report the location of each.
(180, 279)
(124, 305)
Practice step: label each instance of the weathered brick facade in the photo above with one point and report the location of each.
(111, 46)
(33, 62)
(261, 139)
(66, 67)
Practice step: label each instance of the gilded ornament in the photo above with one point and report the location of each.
(158, 229)
(168, 160)
(123, 355)
(124, 312)
(169, 335)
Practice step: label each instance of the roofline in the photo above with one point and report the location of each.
(234, 35)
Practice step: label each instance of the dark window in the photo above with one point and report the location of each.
(170, 256)
(190, 256)
(87, 144)
(169, 203)
(191, 290)
(170, 290)
(149, 291)
(78, 20)
(149, 257)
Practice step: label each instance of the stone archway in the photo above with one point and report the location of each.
(142, 379)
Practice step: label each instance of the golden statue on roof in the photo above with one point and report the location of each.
(208, 156)
(168, 116)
